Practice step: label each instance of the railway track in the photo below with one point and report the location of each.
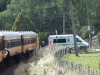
(8, 69)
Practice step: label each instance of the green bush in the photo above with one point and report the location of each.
(84, 32)
(43, 36)
(98, 37)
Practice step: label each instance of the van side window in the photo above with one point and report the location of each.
(68, 40)
(59, 41)
(77, 40)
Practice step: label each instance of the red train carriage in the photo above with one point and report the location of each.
(17, 42)
(1, 58)
(12, 41)
(29, 40)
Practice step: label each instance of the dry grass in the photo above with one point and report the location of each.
(22, 69)
(44, 63)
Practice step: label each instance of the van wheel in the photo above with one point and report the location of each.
(27, 53)
(81, 48)
(85, 49)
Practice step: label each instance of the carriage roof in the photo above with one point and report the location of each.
(10, 34)
(28, 33)
(1, 35)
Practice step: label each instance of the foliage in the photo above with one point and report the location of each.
(6, 20)
(84, 32)
(47, 15)
(3, 5)
(43, 36)
(97, 10)
(96, 25)
(23, 23)
(98, 37)
(81, 12)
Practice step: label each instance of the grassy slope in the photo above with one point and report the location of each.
(91, 60)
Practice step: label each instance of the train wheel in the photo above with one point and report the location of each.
(27, 53)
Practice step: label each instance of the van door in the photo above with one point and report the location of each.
(79, 43)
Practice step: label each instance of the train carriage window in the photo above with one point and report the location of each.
(8, 43)
(11, 43)
(29, 40)
(17, 42)
(33, 40)
(26, 41)
(59, 40)
(68, 40)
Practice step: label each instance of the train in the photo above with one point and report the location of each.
(17, 42)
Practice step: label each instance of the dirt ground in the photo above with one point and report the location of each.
(9, 70)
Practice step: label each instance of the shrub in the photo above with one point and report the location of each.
(98, 37)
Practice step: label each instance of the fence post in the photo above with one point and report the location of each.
(60, 53)
(88, 70)
(63, 52)
(99, 65)
(93, 72)
(66, 51)
(69, 50)
(96, 72)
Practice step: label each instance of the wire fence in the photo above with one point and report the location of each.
(70, 66)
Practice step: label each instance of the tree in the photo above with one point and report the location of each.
(3, 5)
(43, 36)
(23, 23)
(6, 20)
(97, 10)
(98, 37)
(47, 16)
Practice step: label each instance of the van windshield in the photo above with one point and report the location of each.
(59, 41)
(80, 38)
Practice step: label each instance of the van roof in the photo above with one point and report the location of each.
(61, 35)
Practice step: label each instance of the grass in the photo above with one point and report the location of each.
(42, 64)
(90, 59)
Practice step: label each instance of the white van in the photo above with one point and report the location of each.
(67, 41)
